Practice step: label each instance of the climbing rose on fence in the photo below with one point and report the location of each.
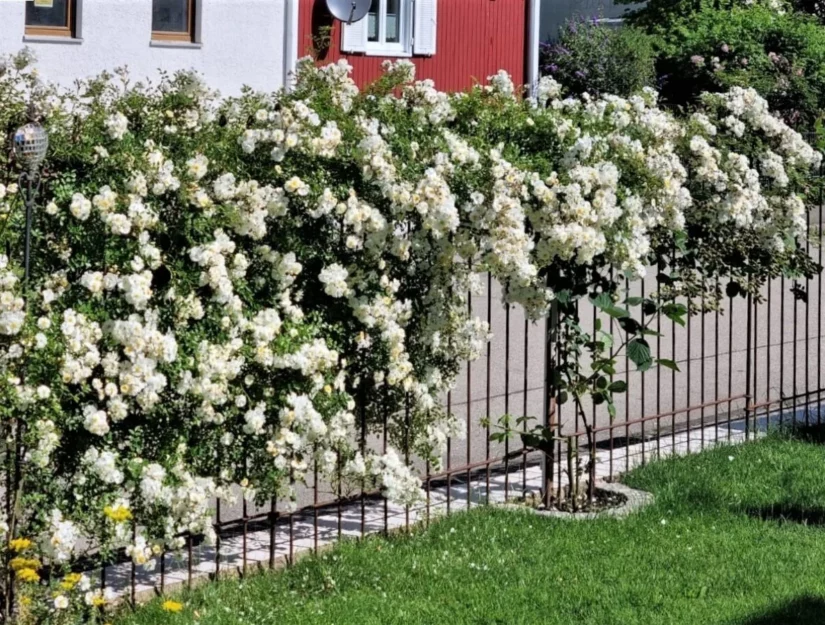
(229, 292)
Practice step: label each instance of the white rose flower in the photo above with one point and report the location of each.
(197, 166)
(116, 126)
(95, 420)
(80, 207)
(334, 279)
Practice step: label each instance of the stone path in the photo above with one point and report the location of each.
(302, 539)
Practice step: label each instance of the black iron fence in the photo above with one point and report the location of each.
(744, 368)
(741, 369)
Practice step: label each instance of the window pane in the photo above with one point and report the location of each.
(393, 21)
(55, 15)
(170, 16)
(372, 21)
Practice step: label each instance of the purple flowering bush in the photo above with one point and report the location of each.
(595, 58)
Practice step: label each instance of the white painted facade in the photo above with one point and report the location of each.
(237, 42)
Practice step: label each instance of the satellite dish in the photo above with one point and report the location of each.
(349, 11)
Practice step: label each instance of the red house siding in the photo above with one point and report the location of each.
(475, 39)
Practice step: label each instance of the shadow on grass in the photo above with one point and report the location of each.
(789, 513)
(813, 434)
(805, 610)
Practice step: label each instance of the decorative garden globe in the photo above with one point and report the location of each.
(30, 144)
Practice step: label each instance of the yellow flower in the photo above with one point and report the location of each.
(28, 575)
(119, 514)
(172, 606)
(26, 601)
(24, 563)
(20, 544)
(70, 581)
(98, 602)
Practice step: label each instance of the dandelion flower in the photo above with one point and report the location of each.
(172, 606)
(28, 575)
(20, 544)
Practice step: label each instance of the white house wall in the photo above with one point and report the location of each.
(240, 42)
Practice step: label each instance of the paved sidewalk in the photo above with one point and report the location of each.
(302, 539)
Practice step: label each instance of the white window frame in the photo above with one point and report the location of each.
(418, 30)
(403, 47)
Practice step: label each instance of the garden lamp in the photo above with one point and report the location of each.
(30, 143)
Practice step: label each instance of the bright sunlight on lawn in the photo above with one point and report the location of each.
(735, 536)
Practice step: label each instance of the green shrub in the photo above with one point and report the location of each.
(599, 59)
(781, 56)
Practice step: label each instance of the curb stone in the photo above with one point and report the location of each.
(634, 500)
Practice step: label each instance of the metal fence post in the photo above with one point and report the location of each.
(548, 459)
(748, 382)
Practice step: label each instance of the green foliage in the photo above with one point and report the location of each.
(593, 58)
(780, 55)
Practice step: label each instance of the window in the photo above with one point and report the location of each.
(173, 20)
(385, 23)
(53, 18)
(393, 28)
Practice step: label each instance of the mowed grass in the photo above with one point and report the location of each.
(736, 536)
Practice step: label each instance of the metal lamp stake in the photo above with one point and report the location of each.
(30, 144)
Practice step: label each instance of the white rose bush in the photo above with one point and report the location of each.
(234, 292)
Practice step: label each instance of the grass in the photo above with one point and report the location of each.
(735, 537)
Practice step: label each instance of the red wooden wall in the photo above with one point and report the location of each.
(476, 38)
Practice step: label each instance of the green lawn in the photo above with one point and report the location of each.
(735, 536)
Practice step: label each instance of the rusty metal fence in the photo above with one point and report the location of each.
(742, 369)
